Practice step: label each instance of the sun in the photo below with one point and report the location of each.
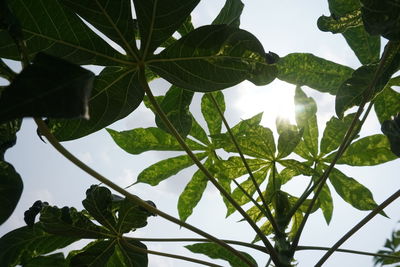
(275, 100)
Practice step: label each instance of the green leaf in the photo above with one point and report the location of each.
(192, 193)
(230, 13)
(158, 20)
(367, 151)
(198, 132)
(98, 203)
(266, 229)
(315, 72)
(26, 242)
(212, 58)
(352, 191)
(48, 26)
(133, 257)
(96, 253)
(131, 216)
(233, 167)
(164, 169)
(112, 18)
(139, 140)
(297, 166)
(306, 119)
(210, 111)
(115, 95)
(215, 251)
(68, 222)
(49, 87)
(334, 132)
(303, 151)
(365, 46)
(10, 190)
(56, 259)
(391, 128)
(289, 137)
(340, 24)
(295, 224)
(326, 203)
(382, 17)
(8, 135)
(387, 103)
(175, 105)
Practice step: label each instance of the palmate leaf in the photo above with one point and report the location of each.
(48, 26)
(212, 58)
(215, 251)
(131, 216)
(289, 137)
(56, 259)
(26, 242)
(96, 253)
(234, 167)
(387, 103)
(391, 128)
(210, 111)
(199, 133)
(230, 13)
(340, 24)
(315, 72)
(164, 169)
(106, 104)
(365, 46)
(326, 203)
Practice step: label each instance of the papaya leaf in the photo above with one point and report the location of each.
(212, 58)
(192, 193)
(295, 225)
(382, 18)
(391, 128)
(352, 191)
(164, 169)
(98, 203)
(140, 140)
(367, 151)
(175, 105)
(340, 24)
(75, 42)
(116, 94)
(315, 72)
(266, 228)
(255, 213)
(387, 103)
(215, 251)
(210, 112)
(27, 242)
(49, 87)
(230, 13)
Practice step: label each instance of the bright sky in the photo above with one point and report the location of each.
(283, 27)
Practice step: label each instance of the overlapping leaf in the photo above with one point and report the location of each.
(210, 111)
(387, 103)
(230, 13)
(391, 128)
(340, 24)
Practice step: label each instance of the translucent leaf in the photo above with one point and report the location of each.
(198, 132)
(210, 111)
(234, 167)
(387, 103)
(297, 166)
(340, 24)
(164, 169)
(326, 203)
(230, 13)
(266, 229)
(289, 137)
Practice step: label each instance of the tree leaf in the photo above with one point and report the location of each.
(199, 133)
(215, 251)
(131, 216)
(132, 257)
(352, 191)
(230, 13)
(164, 169)
(340, 24)
(175, 105)
(334, 132)
(26, 242)
(192, 193)
(116, 94)
(48, 26)
(289, 137)
(158, 20)
(233, 167)
(210, 112)
(387, 103)
(10, 190)
(212, 58)
(391, 128)
(306, 119)
(295, 224)
(365, 46)
(326, 203)
(98, 203)
(96, 253)
(367, 151)
(139, 140)
(69, 222)
(112, 18)
(297, 166)
(49, 87)
(56, 259)
(266, 228)
(315, 72)
(382, 17)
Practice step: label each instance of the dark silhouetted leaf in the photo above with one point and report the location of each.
(133, 257)
(50, 87)
(387, 103)
(32, 212)
(210, 111)
(230, 13)
(26, 242)
(164, 169)
(340, 24)
(96, 253)
(315, 72)
(175, 105)
(215, 251)
(212, 58)
(131, 216)
(10, 190)
(391, 128)
(56, 259)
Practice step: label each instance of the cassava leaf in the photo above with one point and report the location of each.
(131, 216)
(96, 253)
(132, 257)
(340, 24)
(289, 137)
(56, 259)
(233, 167)
(210, 111)
(212, 58)
(315, 72)
(326, 203)
(198, 132)
(164, 169)
(387, 103)
(391, 128)
(230, 13)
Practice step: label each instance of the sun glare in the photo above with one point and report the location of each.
(275, 100)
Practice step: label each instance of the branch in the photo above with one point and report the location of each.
(358, 226)
(44, 130)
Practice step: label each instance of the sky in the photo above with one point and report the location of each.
(282, 27)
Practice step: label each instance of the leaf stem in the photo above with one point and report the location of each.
(358, 226)
(44, 130)
(189, 152)
(266, 209)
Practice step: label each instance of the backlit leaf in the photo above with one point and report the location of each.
(326, 203)
(315, 72)
(340, 24)
(289, 137)
(297, 166)
(234, 167)
(164, 169)
(230, 13)
(266, 228)
(387, 103)
(210, 111)
(131, 216)
(198, 132)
